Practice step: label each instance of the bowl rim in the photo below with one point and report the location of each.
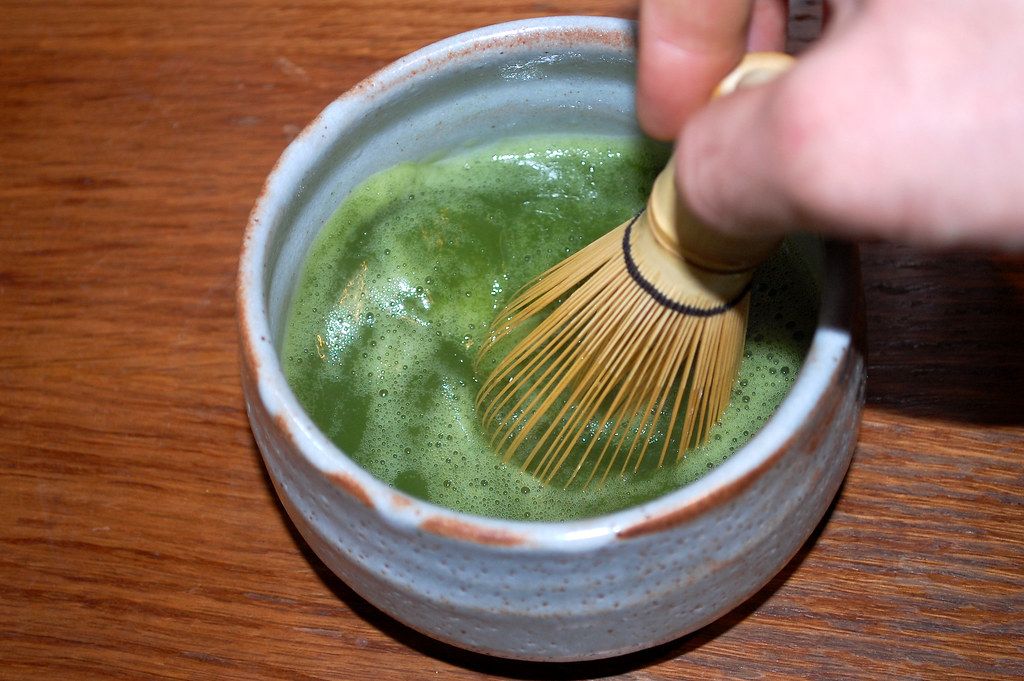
(832, 339)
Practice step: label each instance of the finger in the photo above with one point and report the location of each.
(875, 132)
(685, 47)
(754, 162)
(767, 31)
(728, 162)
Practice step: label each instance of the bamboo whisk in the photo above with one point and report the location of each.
(646, 331)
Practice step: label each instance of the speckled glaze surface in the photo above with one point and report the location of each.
(537, 591)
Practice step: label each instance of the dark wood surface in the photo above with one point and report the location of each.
(139, 537)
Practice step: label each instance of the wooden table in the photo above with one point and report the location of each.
(139, 536)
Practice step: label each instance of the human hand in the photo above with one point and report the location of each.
(905, 121)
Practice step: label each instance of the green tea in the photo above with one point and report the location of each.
(399, 288)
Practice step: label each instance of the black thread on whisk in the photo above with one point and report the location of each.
(661, 298)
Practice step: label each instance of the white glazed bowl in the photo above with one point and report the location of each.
(530, 590)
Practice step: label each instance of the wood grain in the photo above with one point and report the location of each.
(139, 537)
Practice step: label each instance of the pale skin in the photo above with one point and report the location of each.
(905, 121)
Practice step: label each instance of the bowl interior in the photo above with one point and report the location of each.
(527, 79)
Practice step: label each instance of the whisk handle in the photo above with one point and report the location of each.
(672, 223)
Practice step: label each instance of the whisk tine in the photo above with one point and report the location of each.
(636, 384)
(610, 354)
(689, 357)
(558, 374)
(661, 379)
(597, 365)
(613, 422)
(525, 353)
(615, 415)
(551, 285)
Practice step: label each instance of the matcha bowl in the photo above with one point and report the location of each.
(551, 591)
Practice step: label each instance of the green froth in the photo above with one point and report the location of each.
(401, 284)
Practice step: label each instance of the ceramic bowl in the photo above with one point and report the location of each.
(529, 590)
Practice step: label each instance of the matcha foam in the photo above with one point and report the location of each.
(399, 288)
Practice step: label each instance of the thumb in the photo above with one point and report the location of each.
(733, 165)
